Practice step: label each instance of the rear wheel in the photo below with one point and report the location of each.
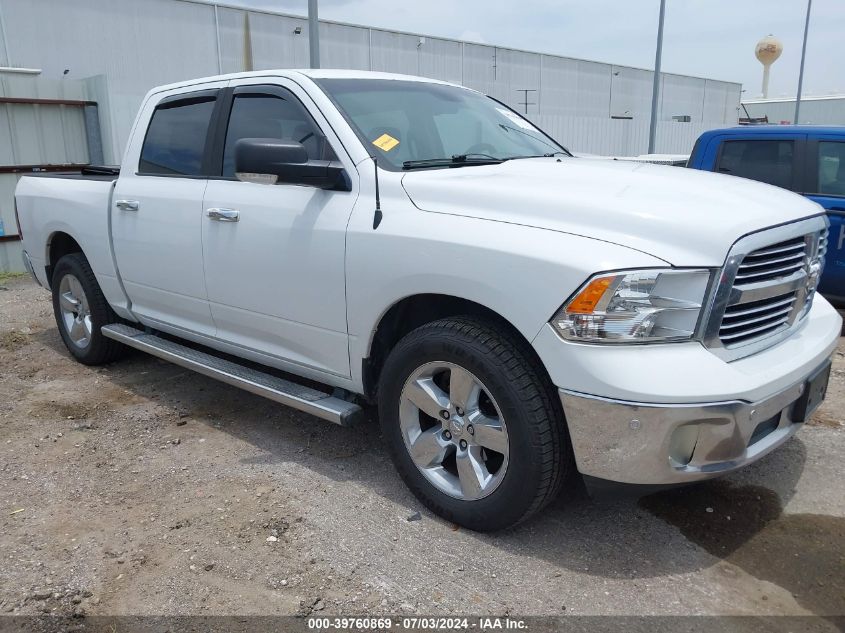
(472, 423)
(81, 310)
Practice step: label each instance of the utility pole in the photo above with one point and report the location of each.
(655, 91)
(803, 55)
(313, 34)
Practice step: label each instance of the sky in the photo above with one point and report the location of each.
(704, 38)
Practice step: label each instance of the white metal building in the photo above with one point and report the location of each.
(112, 52)
(137, 44)
(826, 110)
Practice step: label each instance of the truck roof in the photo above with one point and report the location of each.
(746, 130)
(314, 73)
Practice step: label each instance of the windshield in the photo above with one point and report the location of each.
(402, 122)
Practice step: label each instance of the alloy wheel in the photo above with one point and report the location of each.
(454, 430)
(75, 311)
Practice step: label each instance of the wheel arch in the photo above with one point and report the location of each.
(59, 244)
(412, 311)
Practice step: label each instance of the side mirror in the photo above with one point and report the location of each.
(271, 161)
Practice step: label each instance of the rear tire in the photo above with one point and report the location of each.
(81, 310)
(473, 424)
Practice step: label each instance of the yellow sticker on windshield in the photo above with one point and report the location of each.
(386, 142)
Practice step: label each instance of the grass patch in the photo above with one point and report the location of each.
(6, 277)
(13, 340)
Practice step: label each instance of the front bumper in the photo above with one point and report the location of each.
(650, 444)
(656, 415)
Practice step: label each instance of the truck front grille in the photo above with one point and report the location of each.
(745, 321)
(766, 288)
(772, 262)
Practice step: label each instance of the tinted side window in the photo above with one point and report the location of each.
(175, 140)
(831, 168)
(270, 116)
(765, 161)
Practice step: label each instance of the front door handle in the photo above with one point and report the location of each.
(127, 205)
(223, 215)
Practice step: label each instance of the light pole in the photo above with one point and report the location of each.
(655, 91)
(313, 34)
(803, 55)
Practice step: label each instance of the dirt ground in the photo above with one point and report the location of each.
(143, 488)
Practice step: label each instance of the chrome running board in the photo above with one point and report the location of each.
(283, 391)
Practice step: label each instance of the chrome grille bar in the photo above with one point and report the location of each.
(746, 265)
(770, 273)
(768, 327)
(733, 312)
(779, 315)
(775, 250)
(780, 260)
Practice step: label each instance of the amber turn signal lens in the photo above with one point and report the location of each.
(585, 301)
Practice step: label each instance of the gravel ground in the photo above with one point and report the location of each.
(143, 488)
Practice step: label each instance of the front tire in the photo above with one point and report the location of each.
(473, 424)
(81, 310)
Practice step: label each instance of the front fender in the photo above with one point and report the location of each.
(521, 273)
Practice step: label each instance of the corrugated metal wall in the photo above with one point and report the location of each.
(814, 111)
(36, 135)
(40, 134)
(572, 87)
(137, 45)
(620, 137)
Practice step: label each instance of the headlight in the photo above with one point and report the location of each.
(635, 307)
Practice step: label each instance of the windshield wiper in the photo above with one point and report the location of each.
(531, 136)
(549, 155)
(458, 160)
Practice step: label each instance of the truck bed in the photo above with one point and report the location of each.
(75, 205)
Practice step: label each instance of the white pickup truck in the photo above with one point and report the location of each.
(333, 239)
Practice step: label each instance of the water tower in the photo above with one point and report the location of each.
(767, 51)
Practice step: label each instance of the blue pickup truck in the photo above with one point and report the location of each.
(809, 160)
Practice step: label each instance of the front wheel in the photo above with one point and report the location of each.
(81, 310)
(472, 423)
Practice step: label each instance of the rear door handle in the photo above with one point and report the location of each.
(223, 215)
(127, 205)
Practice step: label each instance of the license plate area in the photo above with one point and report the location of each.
(815, 389)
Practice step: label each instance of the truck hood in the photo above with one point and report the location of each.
(683, 216)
